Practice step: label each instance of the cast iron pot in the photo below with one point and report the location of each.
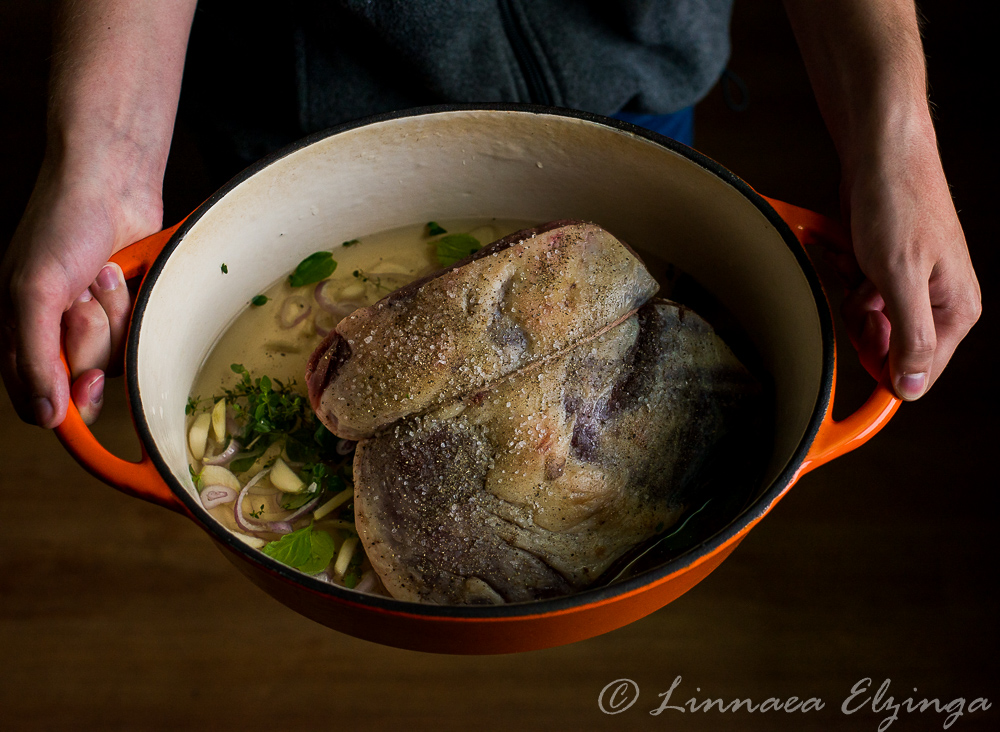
(513, 162)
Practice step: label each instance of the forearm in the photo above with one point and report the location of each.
(866, 64)
(919, 296)
(115, 84)
(116, 75)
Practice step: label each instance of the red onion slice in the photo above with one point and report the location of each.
(367, 583)
(322, 298)
(339, 309)
(243, 523)
(281, 527)
(345, 447)
(215, 495)
(294, 310)
(224, 457)
(302, 510)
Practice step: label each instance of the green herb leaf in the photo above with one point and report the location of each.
(192, 405)
(312, 269)
(244, 461)
(259, 300)
(270, 411)
(351, 243)
(294, 549)
(454, 247)
(299, 451)
(197, 479)
(306, 549)
(291, 501)
(225, 269)
(376, 282)
(434, 228)
(326, 440)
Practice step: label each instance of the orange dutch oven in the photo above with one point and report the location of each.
(513, 162)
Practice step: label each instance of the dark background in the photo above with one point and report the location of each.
(883, 564)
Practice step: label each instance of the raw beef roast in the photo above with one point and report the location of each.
(532, 488)
(526, 417)
(524, 298)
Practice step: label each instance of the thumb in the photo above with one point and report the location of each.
(913, 339)
(41, 371)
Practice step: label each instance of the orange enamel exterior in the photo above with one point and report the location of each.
(140, 479)
(836, 437)
(485, 635)
(477, 630)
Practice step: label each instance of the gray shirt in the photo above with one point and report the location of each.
(262, 75)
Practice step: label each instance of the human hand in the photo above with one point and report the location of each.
(916, 295)
(55, 278)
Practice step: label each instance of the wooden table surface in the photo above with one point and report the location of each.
(882, 565)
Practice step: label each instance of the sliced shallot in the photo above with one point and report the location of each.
(294, 310)
(367, 583)
(224, 457)
(215, 495)
(302, 510)
(322, 298)
(340, 309)
(241, 521)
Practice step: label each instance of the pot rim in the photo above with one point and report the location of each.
(594, 596)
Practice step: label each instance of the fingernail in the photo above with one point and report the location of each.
(43, 411)
(96, 390)
(107, 278)
(85, 296)
(911, 386)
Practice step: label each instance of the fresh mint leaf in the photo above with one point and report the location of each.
(434, 228)
(306, 550)
(294, 549)
(259, 300)
(323, 550)
(312, 269)
(453, 247)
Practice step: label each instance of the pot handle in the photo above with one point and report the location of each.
(140, 479)
(836, 438)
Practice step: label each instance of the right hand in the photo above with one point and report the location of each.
(55, 276)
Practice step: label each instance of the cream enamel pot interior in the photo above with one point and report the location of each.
(452, 163)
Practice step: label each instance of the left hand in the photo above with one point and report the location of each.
(918, 295)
